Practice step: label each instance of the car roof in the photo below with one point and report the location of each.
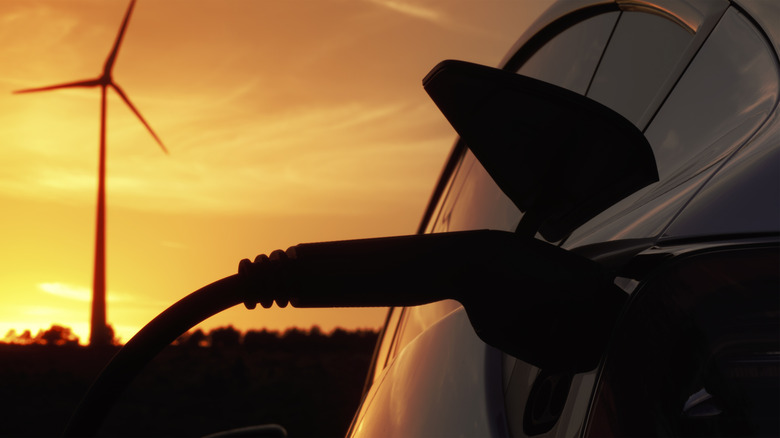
(766, 13)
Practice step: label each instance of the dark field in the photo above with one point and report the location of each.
(308, 382)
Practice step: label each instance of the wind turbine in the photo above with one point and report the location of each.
(100, 334)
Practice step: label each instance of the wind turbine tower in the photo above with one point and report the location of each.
(100, 334)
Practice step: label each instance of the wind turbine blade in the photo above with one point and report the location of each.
(118, 42)
(137, 113)
(86, 83)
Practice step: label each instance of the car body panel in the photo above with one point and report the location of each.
(744, 197)
(697, 16)
(453, 393)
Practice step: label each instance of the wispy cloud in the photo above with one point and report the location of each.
(413, 10)
(66, 291)
(77, 293)
(272, 159)
(441, 16)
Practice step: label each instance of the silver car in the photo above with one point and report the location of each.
(600, 255)
(694, 351)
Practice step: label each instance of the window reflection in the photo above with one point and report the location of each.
(728, 90)
(641, 55)
(417, 319)
(388, 334)
(476, 202)
(570, 58)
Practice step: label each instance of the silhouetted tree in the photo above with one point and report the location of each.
(225, 337)
(261, 338)
(355, 339)
(58, 335)
(10, 337)
(115, 340)
(196, 339)
(26, 337)
(339, 334)
(294, 337)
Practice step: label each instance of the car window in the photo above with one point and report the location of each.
(476, 202)
(732, 81)
(570, 58)
(439, 219)
(641, 55)
(723, 97)
(385, 342)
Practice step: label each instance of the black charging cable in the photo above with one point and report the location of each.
(537, 302)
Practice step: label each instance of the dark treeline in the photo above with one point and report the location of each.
(59, 335)
(292, 338)
(308, 381)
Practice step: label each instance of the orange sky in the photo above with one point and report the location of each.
(286, 121)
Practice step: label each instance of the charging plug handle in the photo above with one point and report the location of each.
(535, 301)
